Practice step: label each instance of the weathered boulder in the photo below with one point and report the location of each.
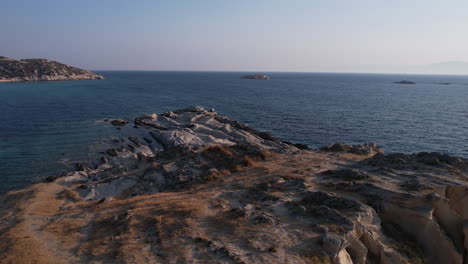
(119, 122)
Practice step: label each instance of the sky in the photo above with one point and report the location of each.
(242, 35)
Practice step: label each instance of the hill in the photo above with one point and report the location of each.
(41, 70)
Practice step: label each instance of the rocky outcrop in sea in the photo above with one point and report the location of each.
(405, 82)
(257, 76)
(41, 70)
(193, 186)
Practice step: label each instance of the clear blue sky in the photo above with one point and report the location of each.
(250, 35)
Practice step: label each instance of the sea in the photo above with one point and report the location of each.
(45, 127)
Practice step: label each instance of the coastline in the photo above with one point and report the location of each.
(194, 185)
(77, 78)
(28, 70)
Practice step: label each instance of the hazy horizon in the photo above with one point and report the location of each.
(423, 37)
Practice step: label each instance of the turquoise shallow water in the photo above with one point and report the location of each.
(46, 126)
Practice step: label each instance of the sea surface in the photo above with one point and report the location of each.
(47, 126)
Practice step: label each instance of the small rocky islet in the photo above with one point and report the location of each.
(28, 70)
(405, 82)
(258, 76)
(194, 186)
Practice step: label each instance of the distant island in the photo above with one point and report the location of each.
(257, 76)
(405, 82)
(41, 70)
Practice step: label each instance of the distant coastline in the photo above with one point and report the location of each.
(31, 70)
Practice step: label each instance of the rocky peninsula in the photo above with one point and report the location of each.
(193, 186)
(27, 70)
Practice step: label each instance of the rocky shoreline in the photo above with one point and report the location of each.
(193, 186)
(29, 70)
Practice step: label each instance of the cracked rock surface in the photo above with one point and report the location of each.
(192, 186)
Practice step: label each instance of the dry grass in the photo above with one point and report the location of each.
(22, 248)
(32, 207)
(69, 195)
(233, 158)
(209, 222)
(55, 225)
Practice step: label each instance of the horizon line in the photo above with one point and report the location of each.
(324, 72)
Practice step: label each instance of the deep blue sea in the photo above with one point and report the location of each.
(46, 126)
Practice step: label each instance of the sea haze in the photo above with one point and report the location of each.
(47, 126)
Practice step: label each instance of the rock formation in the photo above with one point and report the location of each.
(119, 122)
(405, 82)
(41, 70)
(193, 186)
(256, 77)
